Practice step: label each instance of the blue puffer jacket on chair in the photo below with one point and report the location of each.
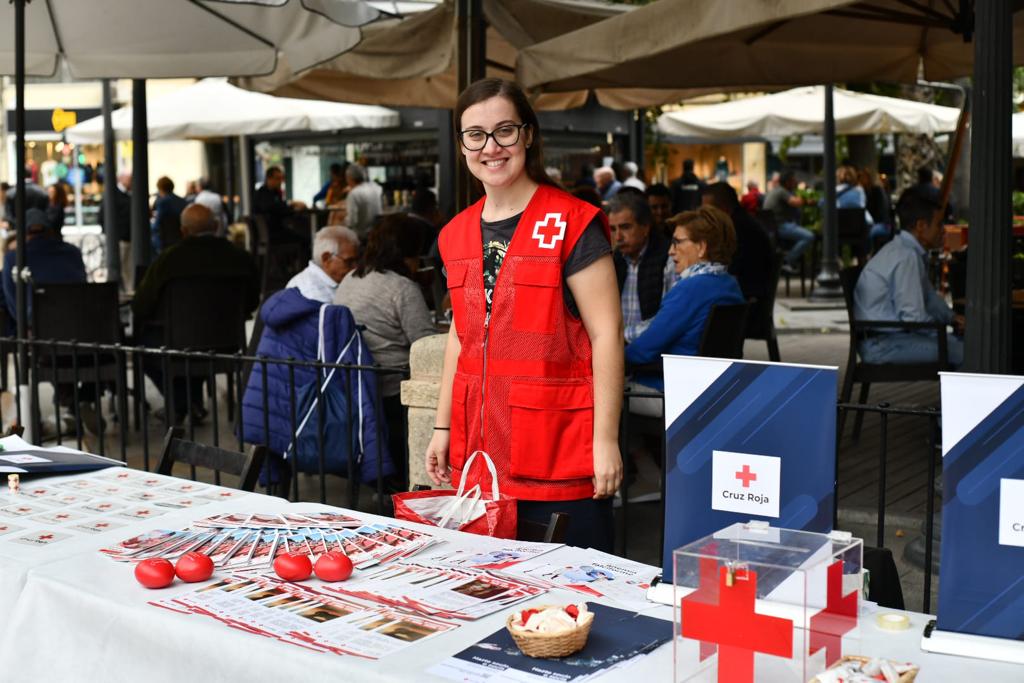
(291, 330)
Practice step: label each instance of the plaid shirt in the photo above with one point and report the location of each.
(630, 296)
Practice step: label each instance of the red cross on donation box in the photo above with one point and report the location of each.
(838, 618)
(736, 627)
(746, 476)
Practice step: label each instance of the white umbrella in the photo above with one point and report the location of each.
(801, 111)
(1017, 121)
(213, 108)
(183, 38)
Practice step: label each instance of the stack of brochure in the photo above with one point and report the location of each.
(300, 614)
(593, 573)
(250, 542)
(446, 592)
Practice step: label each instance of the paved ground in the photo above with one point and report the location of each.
(807, 334)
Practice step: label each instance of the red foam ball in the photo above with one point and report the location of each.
(154, 573)
(293, 566)
(333, 566)
(194, 566)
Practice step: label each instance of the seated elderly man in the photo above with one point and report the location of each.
(642, 266)
(894, 286)
(200, 254)
(335, 255)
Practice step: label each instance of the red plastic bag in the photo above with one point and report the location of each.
(470, 511)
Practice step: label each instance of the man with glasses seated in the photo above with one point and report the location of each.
(335, 255)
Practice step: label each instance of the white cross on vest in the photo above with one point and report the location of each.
(550, 231)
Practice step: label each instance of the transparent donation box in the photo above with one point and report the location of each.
(753, 602)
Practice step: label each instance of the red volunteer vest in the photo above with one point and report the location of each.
(524, 388)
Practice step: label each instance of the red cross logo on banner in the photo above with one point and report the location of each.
(62, 516)
(142, 513)
(550, 231)
(838, 617)
(104, 506)
(46, 537)
(746, 476)
(736, 627)
(102, 525)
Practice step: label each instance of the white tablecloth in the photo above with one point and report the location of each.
(17, 560)
(81, 617)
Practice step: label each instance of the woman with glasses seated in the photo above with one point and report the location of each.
(389, 305)
(533, 365)
(702, 247)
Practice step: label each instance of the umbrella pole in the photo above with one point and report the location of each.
(19, 200)
(231, 162)
(140, 235)
(988, 345)
(827, 286)
(110, 227)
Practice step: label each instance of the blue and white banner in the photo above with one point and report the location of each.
(747, 440)
(981, 591)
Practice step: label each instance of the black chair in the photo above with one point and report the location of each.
(724, 331)
(85, 313)
(554, 531)
(852, 228)
(245, 467)
(761, 315)
(884, 587)
(200, 314)
(6, 348)
(277, 262)
(868, 373)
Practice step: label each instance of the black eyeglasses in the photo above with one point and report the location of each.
(678, 241)
(475, 139)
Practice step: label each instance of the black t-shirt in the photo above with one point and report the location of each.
(592, 245)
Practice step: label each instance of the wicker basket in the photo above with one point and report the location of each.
(907, 677)
(550, 644)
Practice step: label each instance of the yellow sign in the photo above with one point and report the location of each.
(63, 119)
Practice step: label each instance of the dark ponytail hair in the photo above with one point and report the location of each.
(485, 89)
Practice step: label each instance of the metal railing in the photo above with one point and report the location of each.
(885, 411)
(83, 372)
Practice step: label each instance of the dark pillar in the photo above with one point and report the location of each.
(231, 161)
(988, 266)
(470, 58)
(636, 139)
(449, 162)
(110, 227)
(827, 286)
(140, 177)
(19, 200)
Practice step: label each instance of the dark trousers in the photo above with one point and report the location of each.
(590, 521)
(184, 392)
(395, 418)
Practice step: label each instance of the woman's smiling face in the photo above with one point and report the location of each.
(494, 165)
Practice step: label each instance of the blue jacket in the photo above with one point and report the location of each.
(292, 331)
(679, 323)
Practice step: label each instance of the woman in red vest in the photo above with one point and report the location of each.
(533, 369)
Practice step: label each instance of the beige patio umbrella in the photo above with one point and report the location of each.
(697, 43)
(411, 61)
